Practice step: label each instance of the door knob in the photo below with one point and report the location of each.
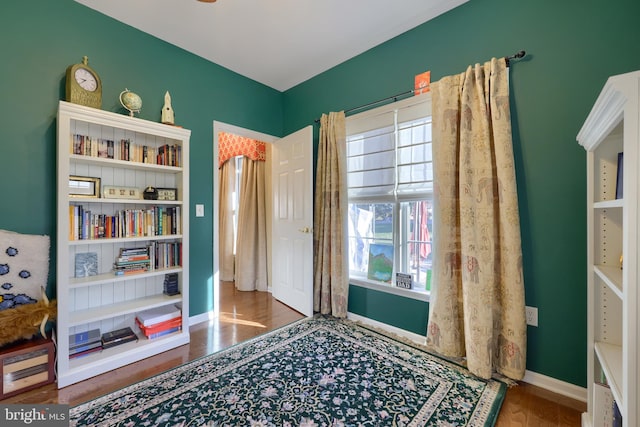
(305, 230)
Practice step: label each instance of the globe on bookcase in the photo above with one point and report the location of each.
(131, 101)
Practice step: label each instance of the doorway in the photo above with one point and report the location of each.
(219, 127)
(289, 211)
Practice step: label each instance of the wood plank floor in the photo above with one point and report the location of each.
(247, 314)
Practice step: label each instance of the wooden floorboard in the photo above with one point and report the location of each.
(244, 315)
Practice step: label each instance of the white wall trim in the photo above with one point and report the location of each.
(390, 289)
(418, 339)
(557, 386)
(201, 318)
(548, 383)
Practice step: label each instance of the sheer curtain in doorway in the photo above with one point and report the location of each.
(250, 260)
(227, 238)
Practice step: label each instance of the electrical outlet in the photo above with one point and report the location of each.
(532, 315)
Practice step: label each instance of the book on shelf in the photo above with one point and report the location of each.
(128, 258)
(163, 332)
(83, 338)
(619, 176)
(117, 337)
(617, 416)
(139, 262)
(157, 315)
(84, 347)
(141, 250)
(80, 354)
(129, 271)
(170, 286)
(132, 261)
(103, 150)
(161, 328)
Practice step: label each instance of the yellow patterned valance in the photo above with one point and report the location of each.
(231, 145)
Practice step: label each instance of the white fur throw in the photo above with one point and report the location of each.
(24, 268)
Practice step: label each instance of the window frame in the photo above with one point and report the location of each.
(418, 103)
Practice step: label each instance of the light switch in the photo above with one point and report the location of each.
(199, 210)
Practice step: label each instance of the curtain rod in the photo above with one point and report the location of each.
(395, 97)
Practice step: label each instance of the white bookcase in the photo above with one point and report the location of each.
(108, 301)
(612, 127)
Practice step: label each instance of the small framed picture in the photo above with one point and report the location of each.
(168, 194)
(380, 262)
(403, 280)
(84, 186)
(86, 264)
(112, 192)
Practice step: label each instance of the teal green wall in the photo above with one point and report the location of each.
(385, 307)
(572, 47)
(40, 39)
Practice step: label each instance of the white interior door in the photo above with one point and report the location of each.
(292, 241)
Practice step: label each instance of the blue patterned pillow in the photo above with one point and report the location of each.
(24, 268)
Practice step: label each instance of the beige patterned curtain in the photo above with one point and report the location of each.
(477, 306)
(226, 241)
(251, 243)
(331, 267)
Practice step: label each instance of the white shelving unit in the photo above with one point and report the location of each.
(613, 127)
(107, 301)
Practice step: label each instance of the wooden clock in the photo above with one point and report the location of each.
(83, 85)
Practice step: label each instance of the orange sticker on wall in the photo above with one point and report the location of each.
(422, 83)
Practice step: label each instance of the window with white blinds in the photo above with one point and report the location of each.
(389, 150)
(390, 190)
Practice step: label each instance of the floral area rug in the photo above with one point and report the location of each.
(314, 372)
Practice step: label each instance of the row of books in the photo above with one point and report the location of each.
(160, 321)
(153, 323)
(165, 254)
(166, 155)
(156, 255)
(155, 221)
(84, 343)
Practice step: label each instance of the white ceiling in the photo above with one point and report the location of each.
(279, 43)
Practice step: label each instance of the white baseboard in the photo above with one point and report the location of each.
(561, 387)
(200, 318)
(419, 339)
(557, 386)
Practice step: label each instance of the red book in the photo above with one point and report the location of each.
(159, 327)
